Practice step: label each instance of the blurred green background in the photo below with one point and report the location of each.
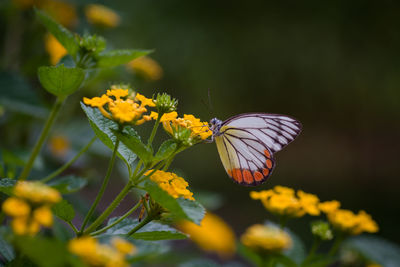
(333, 65)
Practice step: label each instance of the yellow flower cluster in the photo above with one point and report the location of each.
(95, 254)
(284, 201)
(172, 124)
(30, 207)
(266, 238)
(174, 185)
(117, 105)
(347, 221)
(59, 145)
(213, 234)
(146, 67)
(55, 50)
(102, 16)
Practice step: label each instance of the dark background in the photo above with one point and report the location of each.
(333, 65)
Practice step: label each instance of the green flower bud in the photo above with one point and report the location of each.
(165, 103)
(92, 44)
(322, 230)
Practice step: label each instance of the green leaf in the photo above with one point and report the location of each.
(103, 127)
(64, 36)
(249, 254)
(151, 231)
(166, 149)
(297, 252)
(59, 80)
(64, 210)
(68, 184)
(375, 249)
(46, 252)
(134, 143)
(6, 250)
(118, 57)
(200, 263)
(7, 185)
(148, 250)
(179, 208)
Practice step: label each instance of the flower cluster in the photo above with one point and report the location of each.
(30, 207)
(213, 234)
(284, 201)
(189, 129)
(171, 183)
(95, 254)
(347, 221)
(146, 67)
(117, 105)
(102, 16)
(266, 238)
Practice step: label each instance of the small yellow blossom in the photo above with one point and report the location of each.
(329, 206)
(166, 117)
(36, 192)
(354, 224)
(102, 16)
(174, 185)
(283, 201)
(25, 226)
(16, 207)
(146, 67)
(62, 11)
(117, 105)
(43, 216)
(58, 145)
(213, 234)
(266, 238)
(123, 246)
(55, 50)
(96, 254)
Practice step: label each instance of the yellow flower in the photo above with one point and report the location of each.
(174, 185)
(123, 246)
(283, 201)
(54, 48)
(374, 265)
(213, 234)
(61, 11)
(146, 67)
(16, 207)
(43, 216)
(58, 145)
(329, 206)
(95, 254)
(121, 107)
(266, 238)
(102, 16)
(25, 226)
(354, 224)
(166, 117)
(36, 192)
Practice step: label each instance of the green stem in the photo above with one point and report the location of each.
(283, 221)
(141, 224)
(338, 241)
(103, 187)
(73, 227)
(117, 221)
(153, 132)
(109, 209)
(314, 247)
(36, 149)
(69, 163)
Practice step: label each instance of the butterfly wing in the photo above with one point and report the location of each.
(247, 142)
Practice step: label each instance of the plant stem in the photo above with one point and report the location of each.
(36, 149)
(73, 227)
(69, 163)
(117, 221)
(146, 220)
(283, 221)
(109, 209)
(339, 239)
(153, 132)
(103, 186)
(314, 247)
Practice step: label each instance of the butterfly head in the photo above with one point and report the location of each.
(215, 125)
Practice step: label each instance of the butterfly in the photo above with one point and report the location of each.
(246, 144)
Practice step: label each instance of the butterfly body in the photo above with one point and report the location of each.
(247, 142)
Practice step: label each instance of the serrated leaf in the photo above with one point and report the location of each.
(64, 210)
(7, 185)
(166, 149)
(118, 57)
(103, 127)
(179, 208)
(60, 80)
(69, 184)
(375, 249)
(64, 36)
(134, 143)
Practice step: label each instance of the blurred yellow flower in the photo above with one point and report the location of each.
(266, 238)
(30, 207)
(212, 235)
(95, 254)
(123, 246)
(351, 223)
(174, 185)
(121, 107)
(329, 206)
(63, 12)
(374, 265)
(146, 67)
(283, 201)
(58, 145)
(102, 16)
(166, 117)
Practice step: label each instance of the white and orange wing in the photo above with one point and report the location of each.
(247, 143)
